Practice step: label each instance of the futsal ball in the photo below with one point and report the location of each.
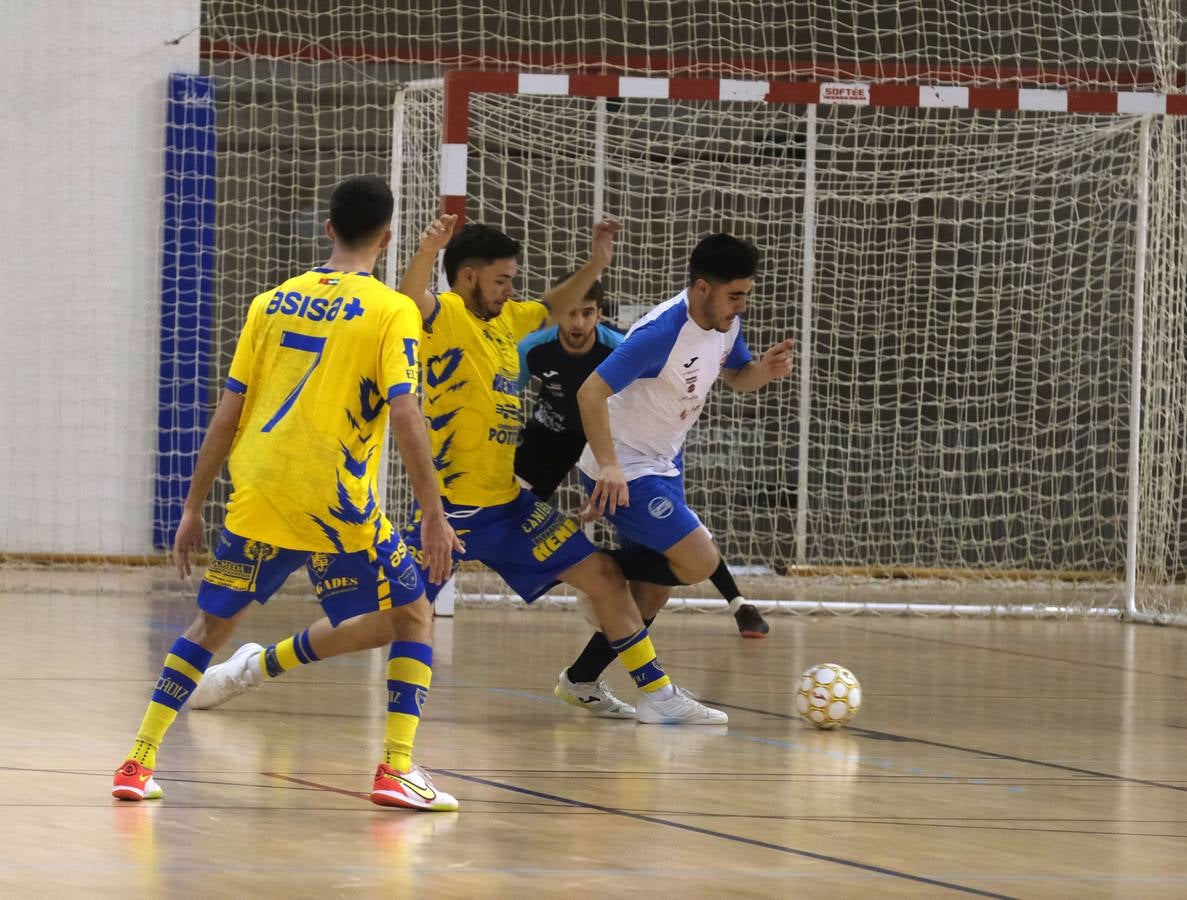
(828, 695)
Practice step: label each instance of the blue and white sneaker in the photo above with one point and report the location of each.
(592, 696)
(677, 707)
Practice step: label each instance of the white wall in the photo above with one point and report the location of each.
(83, 84)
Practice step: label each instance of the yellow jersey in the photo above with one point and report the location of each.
(471, 397)
(317, 361)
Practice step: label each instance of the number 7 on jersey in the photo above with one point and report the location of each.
(308, 344)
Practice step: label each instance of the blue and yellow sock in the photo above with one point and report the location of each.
(288, 654)
(638, 655)
(409, 671)
(184, 665)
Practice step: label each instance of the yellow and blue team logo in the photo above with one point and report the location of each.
(259, 551)
(321, 562)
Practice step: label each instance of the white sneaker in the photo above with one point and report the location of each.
(593, 696)
(238, 675)
(680, 708)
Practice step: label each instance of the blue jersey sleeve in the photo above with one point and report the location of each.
(524, 375)
(740, 354)
(642, 353)
(610, 337)
(533, 340)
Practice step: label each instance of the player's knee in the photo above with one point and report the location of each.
(379, 632)
(600, 578)
(210, 631)
(412, 621)
(610, 579)
(694, 558)
(693, 570)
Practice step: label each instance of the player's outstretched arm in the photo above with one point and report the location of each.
(216, 447)
(437, 537)
(416, 278)
(574, 288)
(611, 491)
(775, 363)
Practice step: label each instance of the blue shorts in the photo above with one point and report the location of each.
(347, 584)
(658, 517)
(526, 541)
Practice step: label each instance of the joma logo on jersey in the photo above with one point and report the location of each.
(335, 585)
(294, 303)
(504, 434)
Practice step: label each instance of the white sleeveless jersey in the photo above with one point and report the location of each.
(661, 375)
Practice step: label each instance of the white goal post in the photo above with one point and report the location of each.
(989, 416)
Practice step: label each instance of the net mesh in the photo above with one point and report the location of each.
(972, 319)
(1101, 43)
(972, 302)
(1161, 535)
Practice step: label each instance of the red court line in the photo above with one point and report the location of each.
(317, 787)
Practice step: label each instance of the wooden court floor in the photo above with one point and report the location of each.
(991, 758)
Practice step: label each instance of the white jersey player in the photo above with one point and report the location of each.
(637, 408)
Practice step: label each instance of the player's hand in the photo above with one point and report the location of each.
(608, 495)
(438, 542)
(602, 248)
(189, 538)
(776, 362)
(438, 233)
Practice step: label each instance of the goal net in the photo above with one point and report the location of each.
(987, 298)
(966, 320)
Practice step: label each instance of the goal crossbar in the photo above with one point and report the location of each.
(459, 91)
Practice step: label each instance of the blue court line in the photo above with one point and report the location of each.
(696, 829)
(988, 754)
(525, 695)
(877, 762)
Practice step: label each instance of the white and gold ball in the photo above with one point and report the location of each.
(828, 695)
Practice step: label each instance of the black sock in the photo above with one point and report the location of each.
(641, 564)
(724, 581)
(595, 657)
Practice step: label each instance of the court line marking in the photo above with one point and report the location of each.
(988, 754)
(696, 829)
(316, 786)
(654, 820)
(1112, 667)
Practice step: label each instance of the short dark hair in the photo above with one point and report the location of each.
(360, 207)
(596, 292)
(721, 258)
(477, 242)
